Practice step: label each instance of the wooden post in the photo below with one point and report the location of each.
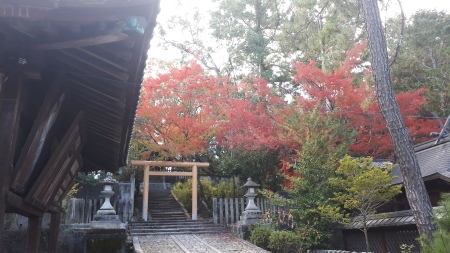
(236, 205)
(194, 192)
(145, 193)
(33, 234)
(54, 231)
(220, 211)
(10, 93)
(232, 210)
(226, 211)
(215, 207)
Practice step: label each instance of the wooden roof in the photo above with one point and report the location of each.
(99, 48)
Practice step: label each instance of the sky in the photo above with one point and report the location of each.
(183, 7)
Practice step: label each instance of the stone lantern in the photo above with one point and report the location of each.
(107, 208)
(106, 217)
(252, 213)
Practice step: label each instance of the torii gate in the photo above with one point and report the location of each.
(148, 173)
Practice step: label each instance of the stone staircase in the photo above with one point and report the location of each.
(168, 227)
(162, 206)
(168, 217)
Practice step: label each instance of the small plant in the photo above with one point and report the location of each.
(260, 236)
(406, 248)
(284, 241)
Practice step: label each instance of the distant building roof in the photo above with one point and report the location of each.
(400, 218)
(434, 161)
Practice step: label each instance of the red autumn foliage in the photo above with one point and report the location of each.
(356, 104)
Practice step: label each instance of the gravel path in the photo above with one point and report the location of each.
(194, 243)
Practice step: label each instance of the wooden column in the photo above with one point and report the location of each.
(145, 193)
(10, 92)
(194, 192)
(54, 231)
(33, 234)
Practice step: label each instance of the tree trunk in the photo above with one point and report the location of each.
(403, 147)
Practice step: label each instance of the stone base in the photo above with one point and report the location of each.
(250, 217)
(107, 222)
(240, 231)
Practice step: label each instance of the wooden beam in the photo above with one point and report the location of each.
(54, 231)
(38, 135)
(88, 62)
(18, 205)
(33, 234)
(61, 168)
(103, 59)
(97, 40)
(169, 164)
(10, 94)
(168, 173)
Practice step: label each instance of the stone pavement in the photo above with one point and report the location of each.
(193, 243)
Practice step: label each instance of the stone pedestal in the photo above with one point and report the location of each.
(107, 222)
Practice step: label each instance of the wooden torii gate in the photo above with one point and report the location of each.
(148, 173)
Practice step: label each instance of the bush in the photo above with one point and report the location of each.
(183, 191)
(207, 192)
(260, 236)
(441, 238)
(284, 242)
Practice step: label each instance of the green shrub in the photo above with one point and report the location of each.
(183, 191)
(207, 192)
(441, 238)
(260, 236)
(284, 242)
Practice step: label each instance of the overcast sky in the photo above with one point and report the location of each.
(181, 7)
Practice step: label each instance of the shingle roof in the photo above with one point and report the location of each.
(434, 160)
(399, 218)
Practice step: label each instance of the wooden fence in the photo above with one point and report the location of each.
(228, 211)
(79, 210)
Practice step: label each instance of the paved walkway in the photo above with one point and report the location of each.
(194, 243)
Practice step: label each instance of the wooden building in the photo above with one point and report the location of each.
(394, 224)
(70, 76)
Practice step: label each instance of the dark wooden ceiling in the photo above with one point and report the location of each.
(100, 49)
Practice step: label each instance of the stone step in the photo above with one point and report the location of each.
(168, 222)
(175, 227)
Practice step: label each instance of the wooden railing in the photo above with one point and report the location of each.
(228, 211)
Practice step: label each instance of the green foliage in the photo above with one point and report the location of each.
(424, 58)
(259, 165)
(323, 141)
(90, 177)
(441, 238)
(183, 191)
(364, 186)
(284, 242)
(260, 236)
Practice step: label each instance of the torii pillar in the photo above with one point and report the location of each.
(148, 173)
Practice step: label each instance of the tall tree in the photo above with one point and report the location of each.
(401, 140)
(322, 141)
(248, 28)
(321, 31)
(424, 59)
(179, 112)
(346, 91)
